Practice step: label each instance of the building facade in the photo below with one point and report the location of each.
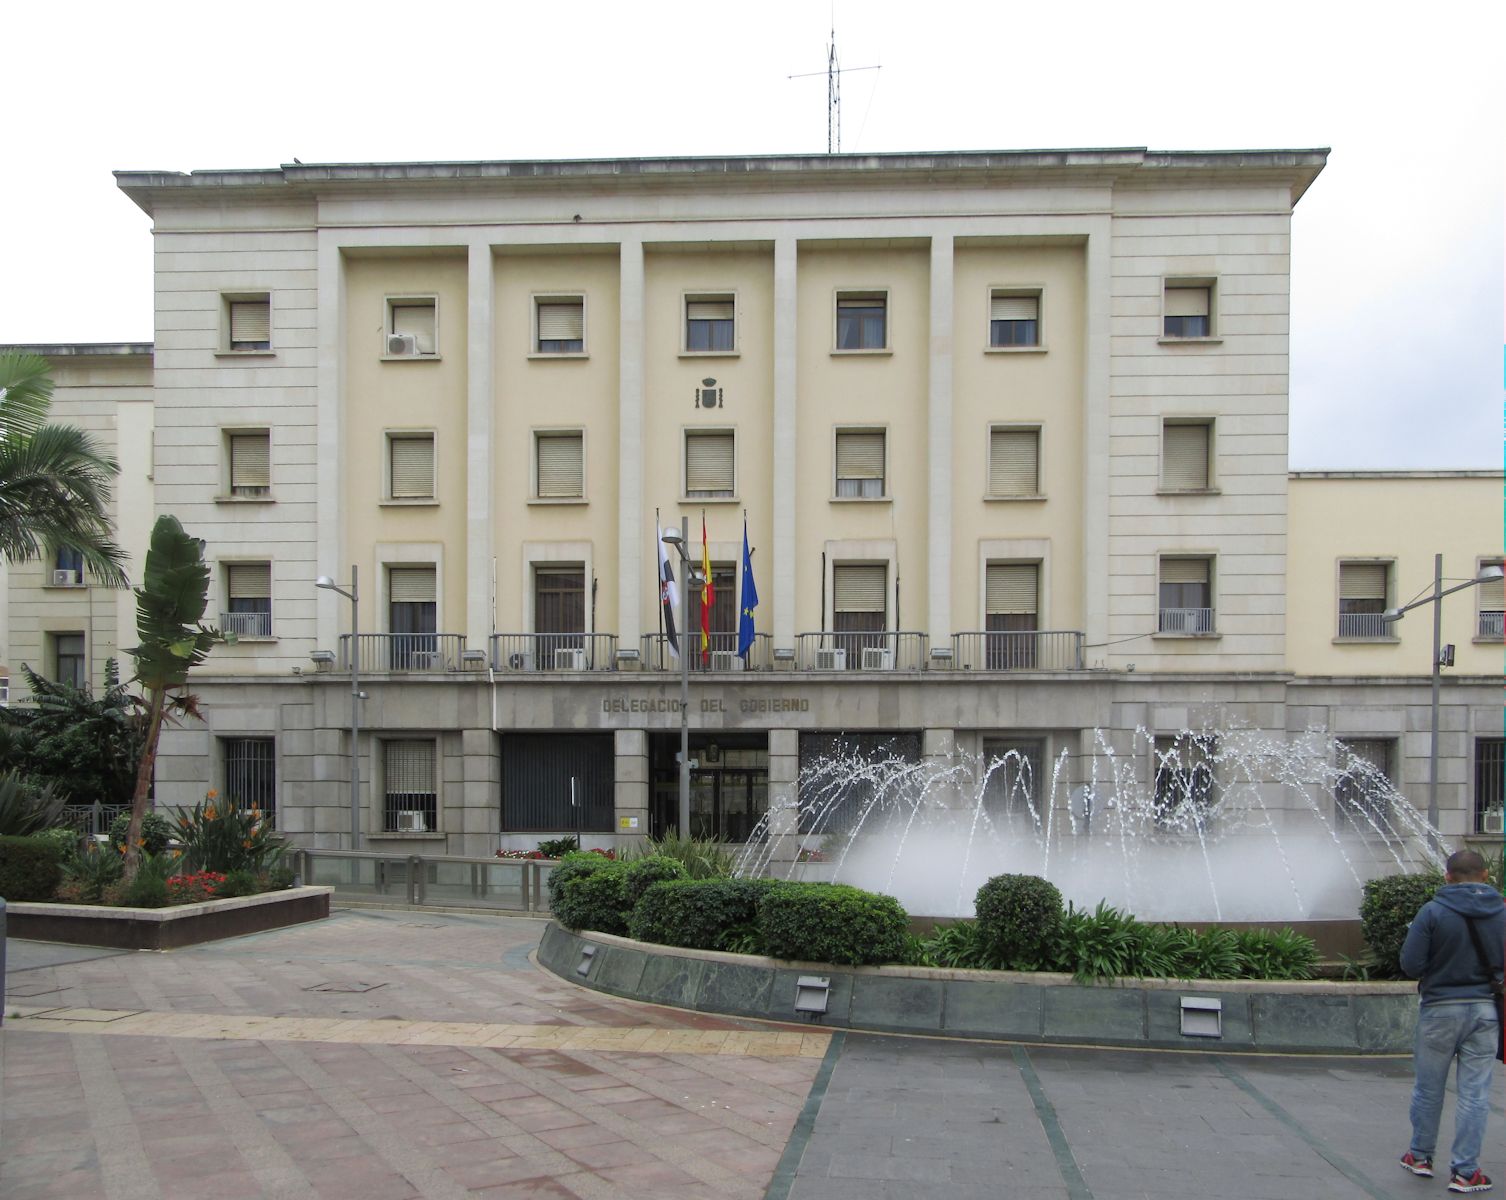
(1007, 433)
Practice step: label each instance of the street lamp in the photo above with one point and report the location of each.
(1487, 575)
(678, 541)
(329, 585)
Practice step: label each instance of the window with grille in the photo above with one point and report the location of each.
(250, 775)
(1182, 781)
(559, 465)
(710, 465)
(1185, 456)
(1014, 461)
(410, 466)
(1362, 793)
(1363, 589)
(1188, 310)
(1011, 601)
(250, 453)
(1490, 784)
(1014, 319)
(249, 322)
(860, 464)
(1186, 595)
(1492, 597)
(415, 318)
(1012, 786)
(248, 596)
(709, 324)
(862, 321)
(410, 795)
(69, 664)
(560, 325)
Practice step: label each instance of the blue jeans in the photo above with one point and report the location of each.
(1466, 1031)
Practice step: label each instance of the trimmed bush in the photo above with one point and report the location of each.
(68, 841)
(1020, 917)
(30, 868)
(700, 914)
(1386, 911)
(595, 901)
(832, 922)
(155, 831)
(642, 874)
(573, 866)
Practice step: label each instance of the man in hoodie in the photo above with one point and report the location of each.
(1457, 1016)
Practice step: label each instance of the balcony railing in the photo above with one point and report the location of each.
(1363, 625)
(721, 653)
(381, 652)
(533, 652)
(1186, 620)
(247, 624)
(1492, 624)
(1033, 650)
(832, 650)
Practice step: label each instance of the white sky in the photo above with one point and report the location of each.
(1397, 249)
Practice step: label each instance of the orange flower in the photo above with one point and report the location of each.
(209, 814)
(247, 843)
(211, 794)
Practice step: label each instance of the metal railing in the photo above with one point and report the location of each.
(833, 650)
(554, 651)
(1363, 625)
(382, 652)
(247, 624)
(1033, 650)
(503, 884)
(1492, 624)
(1186, 620)
(92, 819)
(721, 653)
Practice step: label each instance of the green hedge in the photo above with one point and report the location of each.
(573, 866)
(1387, 909)
(30, 868)
(831, 922)
(701, 914)
(641, 874)
(595, 900)
(1019, 917)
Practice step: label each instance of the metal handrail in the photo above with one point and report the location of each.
(405, 652)
(852, 650)
(413, 874)
(534, 652)
(721, 653)
(1018, 650)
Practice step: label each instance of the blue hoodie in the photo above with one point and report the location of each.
(1438, 951)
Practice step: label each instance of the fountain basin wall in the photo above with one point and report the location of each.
(1277, 1017)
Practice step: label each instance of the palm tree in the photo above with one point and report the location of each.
(54, 479)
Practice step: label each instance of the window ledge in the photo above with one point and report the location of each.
(428, 358)
(241, 638)
(1014, 349)
(883, 352)
(408, 502)
(862, 499)
(711, 354)
(565, 355)
(84, 587)
(710, 500)
(245, 500)
(1210, 491)
(1014, 499)
(1367, 641)
(553, 501)
(245, 353)
(1494, 639)
(436, 836)
(1189, 341)
(1212, 635)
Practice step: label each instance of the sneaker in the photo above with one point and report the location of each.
(1417, 1164)
(1476, 1182)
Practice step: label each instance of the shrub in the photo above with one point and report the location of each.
(30, 868)
(558, 847)
(68, 841)
(574, 866)
(1019, 917)
(1275, 954)
(1385, 912)
(90, 873)
(219, 836)
(156, 831)
(1211, 954)
(196, 888)
(595, 901)
(831, 922)
(1102, 944)
(643, 873)
(960, 945)
(148, 887)
(240, 883)
(701, 858)
(26, 806)
(701, 914)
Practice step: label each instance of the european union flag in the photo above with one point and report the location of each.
(749, 598)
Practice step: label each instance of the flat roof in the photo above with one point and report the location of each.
(1395, 473)
(84, 349)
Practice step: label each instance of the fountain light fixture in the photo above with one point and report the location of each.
(812, 993)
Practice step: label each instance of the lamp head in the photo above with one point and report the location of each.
(324, 581)
(672, 538)
(1491, 572)
(1392, 614)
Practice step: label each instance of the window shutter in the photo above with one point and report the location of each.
(250, 460)
(417, 319)
(1184, 570)
(410, 585)
(564, 322)
(708, 310)
(1014, 462)
(1362, 581)
(1012, 588)
(873, 300)
(708, 463)
(1493, 592)
(409, 768)
(1186, 302)
(859, 588)
(250, 581)
(1015, 308)
(560, 467)
(860, 454)
(412, 467)
(250, 321)
(1184, 457)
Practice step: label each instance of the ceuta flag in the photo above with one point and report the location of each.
(708, 595)
(669, 597)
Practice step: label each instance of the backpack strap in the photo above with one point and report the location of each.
(1474, 937)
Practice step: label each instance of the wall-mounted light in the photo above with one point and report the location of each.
(1202, 1016)
(587, 956)
(812, 993)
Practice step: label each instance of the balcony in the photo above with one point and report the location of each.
(247, 624)
(1492, 625)
(1363, 625)
(1033, 650)
(721, 653)
(846, 650)
(534, 652)
(1186, 620)
(406, 652)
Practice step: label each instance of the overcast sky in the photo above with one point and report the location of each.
(1397, 325)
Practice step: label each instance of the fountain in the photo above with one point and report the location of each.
(1228, 825)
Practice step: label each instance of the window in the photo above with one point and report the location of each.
(1011, 593)
(862, 321)
(412, 327)
(248, 594)
(559, 466)
(412, 618)
(1362, 794)
(1185, 456)
(250, 456)
(1363, 588)
(1186, 595)
(68, 568)
(69, 664)
(411, 802)
(1014, 461)
(1012, 787)
(1188, 310)
(1183, 781)
(860, 594)
(1492, 595)
(1490, 784)
(559, 618)
(560, 325)
(710, 324)
(860, 464)
(251, 775)
(723, 624)
(710, 465)
(1014, 319)
(410, 466)
(248, 322)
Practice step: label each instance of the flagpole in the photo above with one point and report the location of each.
(685, 686)
(659, 571)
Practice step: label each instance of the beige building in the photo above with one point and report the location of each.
(1008, 431)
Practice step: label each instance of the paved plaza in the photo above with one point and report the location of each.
(388, 1054)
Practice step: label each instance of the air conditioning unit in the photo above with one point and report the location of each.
(1491, 820)
(725, 660)
(401, 344)
(411, 822)
(831, 660)
(569, 660)
(876, 658)
(65, 579)
(520, 662)
(426, 660)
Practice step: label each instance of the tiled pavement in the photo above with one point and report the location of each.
(394, 1054)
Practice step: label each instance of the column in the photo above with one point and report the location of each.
(331, 554)
(784, 800)
(939, 439)
(1095, 442)
(634, 537)
(480, 547)
(785, 423)
(630, 791)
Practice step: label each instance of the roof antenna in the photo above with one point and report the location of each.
(833, 75)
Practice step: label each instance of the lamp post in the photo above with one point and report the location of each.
(1395, 614)
(678, 542)
(329, 585)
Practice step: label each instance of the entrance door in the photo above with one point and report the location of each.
(729, 786)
